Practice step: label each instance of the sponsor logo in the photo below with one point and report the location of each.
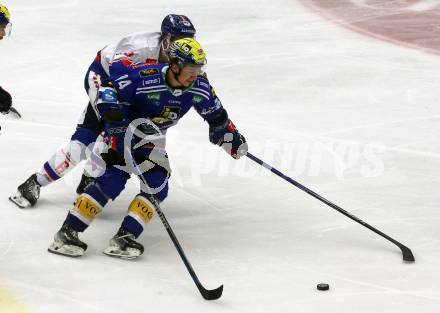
(197, 99)
(148, 72)
(153, 96)
(150, 81)
(109, 96)
(171, 112)
(214, 108)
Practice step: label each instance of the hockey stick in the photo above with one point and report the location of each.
(207, 294)
(13, 112)
(407, 254)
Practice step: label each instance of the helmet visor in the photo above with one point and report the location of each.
(194, 69)
(8, 29)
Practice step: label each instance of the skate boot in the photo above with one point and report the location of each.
(66, 242)
(123, 245)
(84, 183)
(27, 193)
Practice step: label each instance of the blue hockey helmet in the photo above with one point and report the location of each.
(177, 25)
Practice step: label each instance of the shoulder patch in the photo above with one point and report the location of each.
(148, 72)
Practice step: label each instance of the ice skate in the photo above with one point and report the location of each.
(66, 242)
(123, 245)
(27, 193)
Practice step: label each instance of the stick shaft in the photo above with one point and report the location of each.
(407, 253)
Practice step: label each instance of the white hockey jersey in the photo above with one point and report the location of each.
(139, 47)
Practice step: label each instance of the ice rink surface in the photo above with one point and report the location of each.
(352, 116)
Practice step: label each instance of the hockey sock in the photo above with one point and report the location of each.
(83, 212)
(140, 212)
(43, 179)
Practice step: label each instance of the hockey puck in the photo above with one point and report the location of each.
(322, 287)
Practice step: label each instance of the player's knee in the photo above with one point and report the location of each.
(111, 183)
(156, 183)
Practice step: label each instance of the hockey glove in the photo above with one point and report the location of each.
(227, 136)
(5, 101)
(115, 134)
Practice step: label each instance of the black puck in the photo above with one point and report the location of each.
(322, 287)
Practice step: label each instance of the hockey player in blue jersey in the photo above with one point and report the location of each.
(144, 47)
(138, 105)
(5, 30)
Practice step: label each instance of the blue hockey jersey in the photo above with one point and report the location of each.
(143, 92)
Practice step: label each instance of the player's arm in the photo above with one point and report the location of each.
(222, 131)
(5, 101)
(114, 118)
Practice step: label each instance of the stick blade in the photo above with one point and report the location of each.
(213, 294)
(14, 112)
(407, 254)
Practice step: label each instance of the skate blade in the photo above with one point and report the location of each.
(129, 254)
(66, 250)
(20, 201)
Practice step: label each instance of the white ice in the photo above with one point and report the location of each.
(353, 118)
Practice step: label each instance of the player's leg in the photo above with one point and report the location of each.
(66, 158)
(61, 162)
(92, 82)
(140, 211)
(86, 207)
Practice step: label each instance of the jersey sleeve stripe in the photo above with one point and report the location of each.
(150, 91)
(202, 91)
(151, 87)
(200, 94)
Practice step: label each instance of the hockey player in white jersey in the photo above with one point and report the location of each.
(136, 48)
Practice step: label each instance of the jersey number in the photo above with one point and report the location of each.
(124, 83)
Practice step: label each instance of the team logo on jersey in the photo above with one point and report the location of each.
(148, 72)
(197, 99)
(177, 92)
(153, 96)
(171, 112)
